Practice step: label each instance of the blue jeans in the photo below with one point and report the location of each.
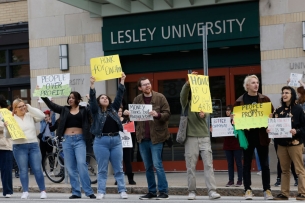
(109, 148)
(237, 154)
(74, 147)
(25, 154)
(151, 155)
(6, 167)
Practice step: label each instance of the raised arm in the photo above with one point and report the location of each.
(120, 93)
(92, 101)
(37, 114)
(52, 106)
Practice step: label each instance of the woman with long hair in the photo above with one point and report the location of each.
(73, 129)
(291, 149)
(26, 151)
(107, 144)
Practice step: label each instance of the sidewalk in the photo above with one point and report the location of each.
(177, 185)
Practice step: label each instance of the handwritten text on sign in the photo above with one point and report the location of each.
(294, 79)
(106, 67)
(126, 139)
(222, 127)
(201, 96)
(140, 112)
(279, 127)
(12, 126)
(252, 115)
(53, 85)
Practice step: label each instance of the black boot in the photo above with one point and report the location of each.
(130, 179)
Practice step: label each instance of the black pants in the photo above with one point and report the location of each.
(279, 169)
(6, 167)
(263, 153)
(45, 148)
(127, 160)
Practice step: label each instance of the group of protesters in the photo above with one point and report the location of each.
(102, 120)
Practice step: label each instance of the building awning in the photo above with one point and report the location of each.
(105, 8)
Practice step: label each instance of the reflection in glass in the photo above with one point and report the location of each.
(20, 71)
(2, 57)
(2, 72)
(19, 55)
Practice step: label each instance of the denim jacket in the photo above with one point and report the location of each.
(99, 117)
(43, 123)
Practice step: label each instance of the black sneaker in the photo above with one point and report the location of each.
(296, 182)
(300, 197)
(280, 197)
(278, 182)
(148, 196)
(74, 197)
(92, 196)
(162, 195)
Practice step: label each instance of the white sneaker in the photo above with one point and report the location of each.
(44, 174)
(100, 196)
(8, 195)
(214, 195)
(43, 195)
(268, 195)
(124, 195)
(25, 195)
(192, 196)
(259, 173)
(248, 195)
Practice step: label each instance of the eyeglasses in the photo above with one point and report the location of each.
(228, 110)
(144, 85)
(19, 107)
(285, 93)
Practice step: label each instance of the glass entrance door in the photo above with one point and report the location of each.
(225, 85)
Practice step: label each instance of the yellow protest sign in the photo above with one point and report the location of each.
(251, 115)
(201, 96)
(106, 67)
(12, 125)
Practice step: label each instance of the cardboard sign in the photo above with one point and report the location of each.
(222, 127)
(201, 96)
(252, 115)
(140, 112)
(279, 127)
(12, 125)
(53, 85)
(294, 79)
(106, 67)
(126, 139)
(129, 127)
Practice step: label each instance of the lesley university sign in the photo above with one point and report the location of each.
(226, 25)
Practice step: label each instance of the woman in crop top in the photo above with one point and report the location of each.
(107, 144)
(73, 129)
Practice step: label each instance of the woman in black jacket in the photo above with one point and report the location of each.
(73, 129)
(291, 149)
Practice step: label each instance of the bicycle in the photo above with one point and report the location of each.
(54, 165)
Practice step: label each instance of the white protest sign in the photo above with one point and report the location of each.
(140, 112)
(294, 79)
(126, 139)
(41, 101)
(222, 127)
(53, 85)
(279, 127)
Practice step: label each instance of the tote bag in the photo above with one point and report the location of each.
(181, 134)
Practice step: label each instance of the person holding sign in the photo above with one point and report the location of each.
(197, 141)
(127, 152)
(233, 151)
(26, 150)
(6, 158)
(73, 130)
(291, 149)
(107, 144)
(151, 134)
(257, 138)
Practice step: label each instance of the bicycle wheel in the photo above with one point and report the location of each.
(53, 168)
(92, 167)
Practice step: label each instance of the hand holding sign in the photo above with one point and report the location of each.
(294, 79)
(106, 67)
